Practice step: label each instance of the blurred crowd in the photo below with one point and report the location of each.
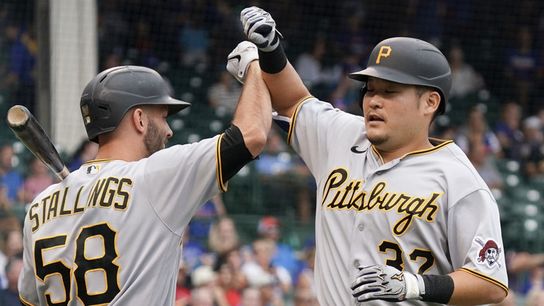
(495, 115)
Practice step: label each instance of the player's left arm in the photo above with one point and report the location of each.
(253, 114)
(477, 250)
(476, 253)
(246, 137)
(28, 294)
(473, 290)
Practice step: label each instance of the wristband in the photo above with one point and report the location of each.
(437, 289)
(273, 61)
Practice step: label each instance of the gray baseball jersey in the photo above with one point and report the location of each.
(428, 212)
(110, 233)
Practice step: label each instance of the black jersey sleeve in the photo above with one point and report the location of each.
(232, 154)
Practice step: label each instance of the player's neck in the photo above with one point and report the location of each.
(120, 150)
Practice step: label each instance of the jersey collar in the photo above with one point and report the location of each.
(437, 145)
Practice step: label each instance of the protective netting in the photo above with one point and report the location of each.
(493, 48)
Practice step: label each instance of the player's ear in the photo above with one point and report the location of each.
(139, 119)
(431, 102)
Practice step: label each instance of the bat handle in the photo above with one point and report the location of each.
(63, 173)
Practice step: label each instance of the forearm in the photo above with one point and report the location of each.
(286, 90)
(380, 282)
(472, 290)
(253, 114)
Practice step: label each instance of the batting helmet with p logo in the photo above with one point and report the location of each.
(409, 61)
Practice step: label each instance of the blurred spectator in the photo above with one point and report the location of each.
(9, 176)
(21, 75)
(183, 293)
(223, 236)
(205, 215)
(476, 129)
(306, 276)
(423, 14)
(305, 297)
(112, 60)
(11, 246)
(10, 295)
(192, 252)
(86, 151)
(226, 280)
(508, 131)
(523, 270)
(284, 255)
(532, 148)
(484, 164)
(308, 64)
(204, 277)
(522, 67)
(224, 93)
(263, 272)
(465, 80)
(535, 297)
(234, 260)
(309, 67)
(202, 296)
(194, 39)
(37, 180)
(5, 203)
(284, 179)
(251, 296)
(347, 94)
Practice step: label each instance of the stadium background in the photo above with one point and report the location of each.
(187, 42)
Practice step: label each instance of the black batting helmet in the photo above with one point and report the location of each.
(409, 61)
(107, 98)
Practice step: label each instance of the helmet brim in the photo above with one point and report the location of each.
(385, 73)
(174, 105)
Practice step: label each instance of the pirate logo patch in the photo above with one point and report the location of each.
(489, 253)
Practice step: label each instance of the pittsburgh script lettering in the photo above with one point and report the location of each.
(343, 193)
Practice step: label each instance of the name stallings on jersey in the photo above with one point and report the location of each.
(108, 192)
(342, 193)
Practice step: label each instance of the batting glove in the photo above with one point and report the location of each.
(239, 59)
(260, 28)
(385, 283)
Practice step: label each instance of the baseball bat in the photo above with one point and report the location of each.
(30, 132)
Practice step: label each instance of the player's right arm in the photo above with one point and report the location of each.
(285, 85)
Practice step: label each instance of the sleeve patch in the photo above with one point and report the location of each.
(489, 253)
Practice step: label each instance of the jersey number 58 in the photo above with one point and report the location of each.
(104, 263)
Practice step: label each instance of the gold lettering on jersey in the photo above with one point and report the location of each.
(343, 193)
(108, 192)
(78, 208)
(64, 211)
(122, 193)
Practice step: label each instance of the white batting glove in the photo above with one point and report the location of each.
(260, 28)
(385, 283)
(239, 59)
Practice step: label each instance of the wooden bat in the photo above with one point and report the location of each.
(30, 132)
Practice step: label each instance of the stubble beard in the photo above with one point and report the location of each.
(377, 139)
(153, 140)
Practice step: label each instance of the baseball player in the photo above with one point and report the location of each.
(110, 233)
(400, 217)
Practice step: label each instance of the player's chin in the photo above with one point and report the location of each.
(376, 138)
